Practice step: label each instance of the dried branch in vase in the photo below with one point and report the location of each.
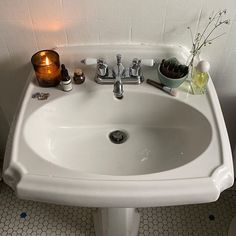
(207, 36)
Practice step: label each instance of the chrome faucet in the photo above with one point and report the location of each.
(118, 73)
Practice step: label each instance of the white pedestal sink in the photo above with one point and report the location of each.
(116, 222)
(177, 150)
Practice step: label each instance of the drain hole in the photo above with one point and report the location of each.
(118, 136)
(211, 217)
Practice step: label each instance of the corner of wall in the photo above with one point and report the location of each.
(4, 127)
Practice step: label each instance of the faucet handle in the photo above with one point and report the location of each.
(144, 62)
(89, 61)
(135, 68)
(147, 62)
(102, 67)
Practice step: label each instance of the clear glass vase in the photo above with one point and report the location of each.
(192, 62)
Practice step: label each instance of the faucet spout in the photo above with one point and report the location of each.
(118, 89)
(118, 73)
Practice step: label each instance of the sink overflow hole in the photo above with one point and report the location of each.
(118, 136)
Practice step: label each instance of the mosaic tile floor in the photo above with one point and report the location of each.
(20, 217)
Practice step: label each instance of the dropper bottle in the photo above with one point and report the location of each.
(66, 82)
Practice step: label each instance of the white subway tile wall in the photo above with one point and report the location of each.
(30, 25)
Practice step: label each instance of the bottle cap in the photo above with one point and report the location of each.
(64, 73)
(203, 66)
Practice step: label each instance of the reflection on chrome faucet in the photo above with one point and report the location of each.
(118, 73)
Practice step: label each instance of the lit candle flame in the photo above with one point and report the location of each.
(47, 61)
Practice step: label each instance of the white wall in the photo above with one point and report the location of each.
(4, 128)
(29, 25)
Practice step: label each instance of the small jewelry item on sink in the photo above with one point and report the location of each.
(41, 96)
(78, 77)
(66, 82)
(46, 65)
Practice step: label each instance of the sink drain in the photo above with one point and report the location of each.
(118, 136)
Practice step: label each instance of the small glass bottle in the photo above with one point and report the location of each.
(66, 82)
(200, 77)
(79, 77)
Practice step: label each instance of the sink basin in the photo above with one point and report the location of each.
(61, 149)
(163, 133)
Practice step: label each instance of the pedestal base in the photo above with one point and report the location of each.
(116, 222)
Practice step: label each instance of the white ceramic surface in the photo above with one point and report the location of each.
(177, 151)
(163, 133)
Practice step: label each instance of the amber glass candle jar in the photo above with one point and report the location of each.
(46, 65)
